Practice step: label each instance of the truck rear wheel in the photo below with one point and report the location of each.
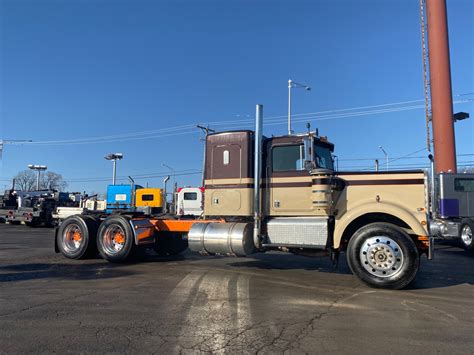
(465, 234)
(115, 239)
(383, 255)
(75, 238)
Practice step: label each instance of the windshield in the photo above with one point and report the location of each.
(323, 157)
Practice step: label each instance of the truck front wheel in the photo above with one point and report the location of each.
(75, 238)
(465, 234)
(383, 255)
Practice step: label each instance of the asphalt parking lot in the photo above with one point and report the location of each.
(271, 303)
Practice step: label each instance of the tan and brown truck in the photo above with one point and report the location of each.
(279, 193)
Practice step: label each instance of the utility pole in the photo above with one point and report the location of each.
(206, 131)
(440, 87)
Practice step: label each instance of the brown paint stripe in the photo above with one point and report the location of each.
(321, 182)
(386, 182)
(379, 172)
(250, 186)
(291, 184)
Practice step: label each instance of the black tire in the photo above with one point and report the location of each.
(465, 234)
(86, 228)
(169, 244)
(115, 239)
(383, 255)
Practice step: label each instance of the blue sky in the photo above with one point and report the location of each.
(78, 69)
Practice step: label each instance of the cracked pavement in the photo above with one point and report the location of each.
(269, 303)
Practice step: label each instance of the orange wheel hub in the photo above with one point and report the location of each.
(77, 236)
(119, 238)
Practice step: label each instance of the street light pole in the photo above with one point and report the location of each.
(38, 168)
(386, 156)
(114, 174)
(293, 84)
(114, 157)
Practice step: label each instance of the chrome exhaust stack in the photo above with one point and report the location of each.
(257, 205)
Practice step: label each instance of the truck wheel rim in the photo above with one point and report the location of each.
(114, 239)
(466, 235)
(381, 256)
(72, 238)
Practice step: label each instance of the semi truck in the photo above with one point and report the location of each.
(279, 193)
(453, 209)
(34, 208)
(282, 193)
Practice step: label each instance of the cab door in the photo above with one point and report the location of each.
(288, 186)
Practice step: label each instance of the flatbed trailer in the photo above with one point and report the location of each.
(25, 215)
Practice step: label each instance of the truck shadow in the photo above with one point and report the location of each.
(451, 266)
(282, 261)
(79, 271)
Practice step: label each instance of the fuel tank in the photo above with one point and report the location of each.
(222, 238)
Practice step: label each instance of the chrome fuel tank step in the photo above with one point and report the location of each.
(298, 231)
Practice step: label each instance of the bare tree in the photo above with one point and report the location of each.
(25, 180)
(53, 181)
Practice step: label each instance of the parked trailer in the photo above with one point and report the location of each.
(279, 193)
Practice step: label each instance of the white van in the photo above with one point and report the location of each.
(190, 201)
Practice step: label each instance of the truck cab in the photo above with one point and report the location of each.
(453, 208)
(190, 201)
(303, 206)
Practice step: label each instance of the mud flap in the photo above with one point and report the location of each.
(143, 231)
(56, 248)
(431, 248)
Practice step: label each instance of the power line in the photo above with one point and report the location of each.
(272, 120)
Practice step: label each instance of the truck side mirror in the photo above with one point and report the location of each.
(308, 143)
